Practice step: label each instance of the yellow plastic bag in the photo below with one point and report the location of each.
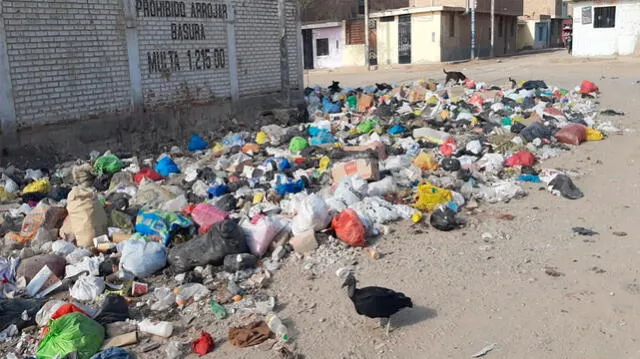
(594, 135)
(425, 162)
(218, 147)
(39, 186)
(261, 138)
(429, 197)
(324, 163)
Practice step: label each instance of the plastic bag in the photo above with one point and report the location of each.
(73, 332)
(563, 185)
(535, 130)
(491, 162)
(87, 218)
(197, 143)
(522, 158)
(429, 197)
(443, 219)
(312, 213)
(108, 164)
(113, 353)
(166, 166)
(206, 215)
(11, 312)
(298, 144)
(450, 164)
(349, 228)
(573, 134)
(351, 190)
(425, 162)
(42, 217)
(594, 135)
(500, 191)
(382, 187)
(148, 173)
(260, 234)
(161, 224)
(114, 309)
(224, 238)
(87, 288)
(204, 344)
(42, 186)
(377, 210)
(588, 87)
(142, 258)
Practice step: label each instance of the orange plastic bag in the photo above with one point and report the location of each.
(349, 228)
(425, 162)
(588, 87)
(573, 134)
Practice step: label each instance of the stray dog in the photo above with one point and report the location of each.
(455, 76)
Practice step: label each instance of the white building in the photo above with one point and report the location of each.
(606, 28)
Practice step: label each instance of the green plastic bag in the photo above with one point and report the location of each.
(298, 144)
(109, 164)
(73, 332)
(367, 126)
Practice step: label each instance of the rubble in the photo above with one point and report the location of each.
(205, 230)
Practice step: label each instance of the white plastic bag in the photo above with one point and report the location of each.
(491, 162)
(77, 255)
(62, 247)
(312, 213)
(377, 209)
(382, 187)
(260, 235)
(141, 258)
(351, 190)
(501, 191)
(47, 310)
(87, 288)
(88, 264)
(165, 299)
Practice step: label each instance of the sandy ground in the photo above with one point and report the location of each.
(470, 292)
(486, 283)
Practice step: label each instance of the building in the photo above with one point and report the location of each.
(329, 45)
(134, 72)
(440, 31)
(606, 28)
(541, 24)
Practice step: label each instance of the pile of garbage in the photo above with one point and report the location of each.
(103, 250)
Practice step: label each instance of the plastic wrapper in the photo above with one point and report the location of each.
(87, 288)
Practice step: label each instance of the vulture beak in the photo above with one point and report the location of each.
(349, 280)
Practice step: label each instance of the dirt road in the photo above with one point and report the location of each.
(486, 283)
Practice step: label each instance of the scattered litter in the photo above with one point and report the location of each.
(484, 351)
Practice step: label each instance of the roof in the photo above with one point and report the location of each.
(321, 25)
(414, 10)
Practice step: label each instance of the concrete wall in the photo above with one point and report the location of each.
(425, 44)
(533, 9)
(623, 39)
(353, 55)
(506, 7)
(526, 35)
(388, 42)
(335, 35)
(68, 60)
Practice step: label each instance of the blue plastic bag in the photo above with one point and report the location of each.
(217, 191)
(529, 178)
(197, 143)
(397, 129)
(291, 187)
(161, 224)
(330, 107)
(113, 353)
(166, 166)
(322, 138)
(142, 258)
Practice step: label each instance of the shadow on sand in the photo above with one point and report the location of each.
(411, 316)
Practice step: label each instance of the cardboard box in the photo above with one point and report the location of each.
(366, 168)
(364, 103)
(376, 146)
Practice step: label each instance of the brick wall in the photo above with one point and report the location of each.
(70, 59)
(67, 58)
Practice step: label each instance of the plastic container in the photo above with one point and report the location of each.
(189, 292)
(161, 329)
(275, 324)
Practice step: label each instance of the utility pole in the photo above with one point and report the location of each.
(473, 29)
(493, 26)
(366, 33)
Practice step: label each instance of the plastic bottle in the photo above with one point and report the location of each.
(161, 329)
(275, 324)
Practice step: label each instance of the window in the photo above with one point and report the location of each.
(604, 17)
(322, 47)
(388, 19)
(500, 26)
(452, 25)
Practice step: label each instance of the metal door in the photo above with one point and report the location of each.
(307, 44)
(404, 39)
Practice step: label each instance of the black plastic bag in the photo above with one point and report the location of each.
(11, 312)
(534, 85)
(450, 164)
(114, 309)
(444, 219)
(563, 184)
(535, 130)
(224, 238)
(517, 127)
(227, 203)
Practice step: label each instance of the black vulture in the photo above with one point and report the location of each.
(376, 302)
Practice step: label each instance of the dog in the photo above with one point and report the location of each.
(455, 76)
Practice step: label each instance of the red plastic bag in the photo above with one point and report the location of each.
(573, 134)
(522, 158)
(476, 100)
(148, 173)
(588, 87)
(61, 312)
(204, 344)
(448, 147)
(349, 228)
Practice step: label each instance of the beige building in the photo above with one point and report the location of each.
(540, 25)
(440, 33)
